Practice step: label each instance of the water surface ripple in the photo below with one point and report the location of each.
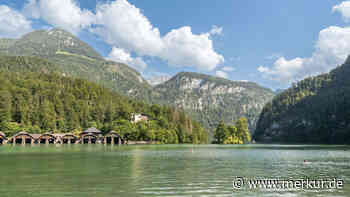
(165, 170)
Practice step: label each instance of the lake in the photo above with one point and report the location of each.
(167, 170)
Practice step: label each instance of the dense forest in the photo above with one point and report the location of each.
(212, 99)
(232, 134)
(314, 110)
(50, 102)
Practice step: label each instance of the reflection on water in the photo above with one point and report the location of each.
(169, 170)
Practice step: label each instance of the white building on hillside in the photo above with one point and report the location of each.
(138, 117)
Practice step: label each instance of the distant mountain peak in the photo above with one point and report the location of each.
(57, 31)
(50, 42)
(207, 98)
(214, 79)
(76, 58)
(210, 99)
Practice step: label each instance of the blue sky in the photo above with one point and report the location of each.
(273, 43)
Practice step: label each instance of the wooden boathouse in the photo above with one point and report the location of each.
(66, 138)
(113, 138)
(23, 138)
(3, 138)
(46, 138)
(89, 136)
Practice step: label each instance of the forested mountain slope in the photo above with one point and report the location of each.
(39, 103)
(207, 99)
(76, 58)
(315, 110)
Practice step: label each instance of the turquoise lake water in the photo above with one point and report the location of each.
(167, 170)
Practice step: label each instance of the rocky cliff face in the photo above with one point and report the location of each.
(208, 99)
(211, 99)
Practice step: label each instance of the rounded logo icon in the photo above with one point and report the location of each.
(238, 183)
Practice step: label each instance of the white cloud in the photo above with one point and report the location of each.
(221, 74)
(122, 24)
(331, 50)
(120, 55)
(344, 9)
(215, 30)
(65, 14)
(183, 48)
(263, 69)
(228, 68)
(283, 70)
(13, 24)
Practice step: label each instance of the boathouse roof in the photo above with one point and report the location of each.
(92, 130)
(36, 135)
(22, 133)
(113, 133)
(58, 135)
(62, 135)
(47, 134)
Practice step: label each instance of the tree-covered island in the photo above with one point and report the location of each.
(232, 134)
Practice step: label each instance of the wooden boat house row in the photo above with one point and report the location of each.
(89, 136)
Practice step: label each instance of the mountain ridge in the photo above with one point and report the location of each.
(210, 99)
(46, 43)
(75, 58)
(156, 80)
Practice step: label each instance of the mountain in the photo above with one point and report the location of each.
(24, 64)
(77, 59)
(5, 45)
(277, 91)
(49, 102)
(158, 80)
(315, 110)
(210, 99)
(48, 43)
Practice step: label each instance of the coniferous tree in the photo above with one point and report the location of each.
(221, 133)
(48, 117)
(5, 107)
(242, 129)
(36, 102)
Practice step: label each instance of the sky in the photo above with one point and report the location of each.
(273, 43)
